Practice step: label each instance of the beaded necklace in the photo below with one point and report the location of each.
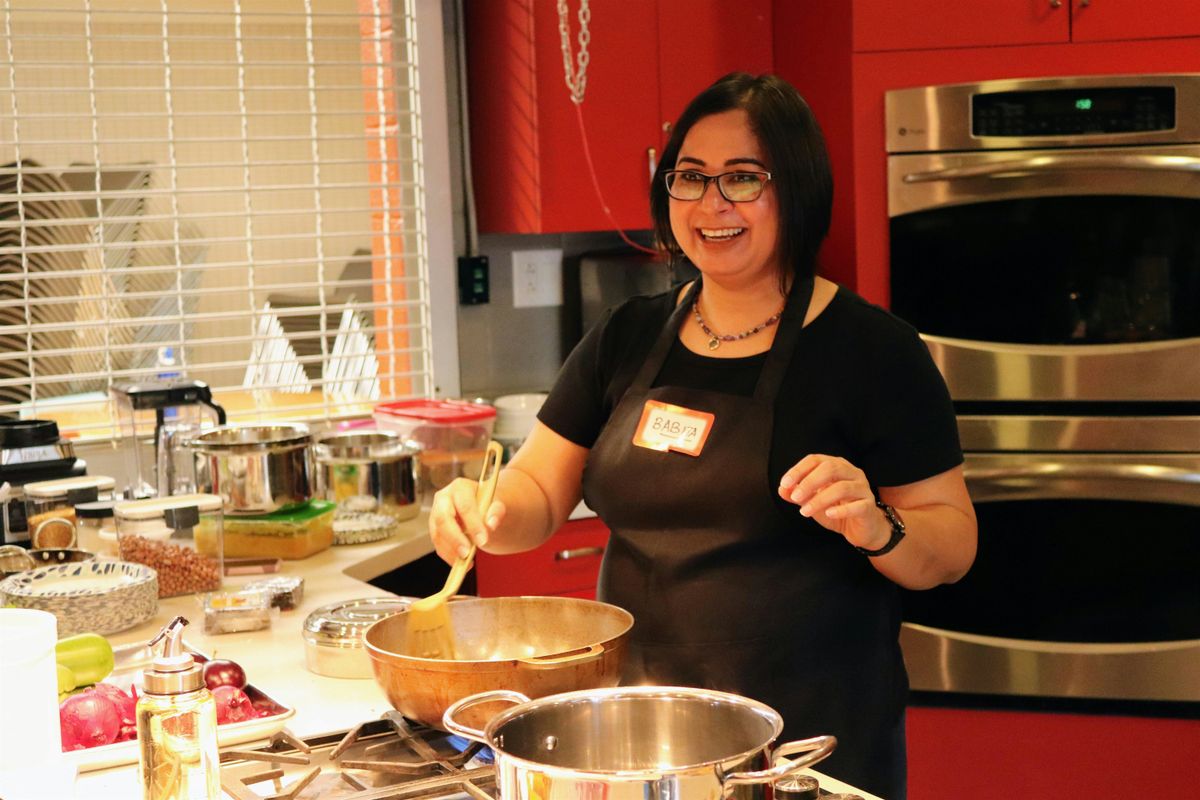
(715, 339)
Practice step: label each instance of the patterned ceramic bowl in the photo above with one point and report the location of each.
(96, 596)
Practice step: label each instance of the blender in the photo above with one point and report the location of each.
(158, 418)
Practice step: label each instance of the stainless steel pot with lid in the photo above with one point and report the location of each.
(256, 469)
(635, 742)
(369, 471)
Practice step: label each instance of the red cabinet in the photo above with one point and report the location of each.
(567, 564)
(1117, 20)
(645, 60)
(1000, 755)
(927, 24)
(881, 25)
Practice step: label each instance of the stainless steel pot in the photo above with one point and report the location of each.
(256, 469)
(371, 471)
(636, 742)
(535, 645)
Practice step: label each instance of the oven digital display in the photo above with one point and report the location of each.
(1070, 112)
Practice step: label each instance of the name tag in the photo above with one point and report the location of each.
(666, 427)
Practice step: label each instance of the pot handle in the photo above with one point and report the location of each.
(817, 748)
(454, 726)
(583, 654)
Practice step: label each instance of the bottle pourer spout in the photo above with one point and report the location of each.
(173, 658)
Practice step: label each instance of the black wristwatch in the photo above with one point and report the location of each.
(897, 532)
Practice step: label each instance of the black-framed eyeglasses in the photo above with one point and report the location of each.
(736, 187)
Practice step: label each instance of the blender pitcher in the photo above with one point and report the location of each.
(157, 420)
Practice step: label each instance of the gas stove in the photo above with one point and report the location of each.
(386, 759)
(390, 758)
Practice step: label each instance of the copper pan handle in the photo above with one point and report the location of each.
(580, 656)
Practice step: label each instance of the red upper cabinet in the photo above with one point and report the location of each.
(881, 25)
(1119, 20)
(930, 24)
(645, 59)
(701, 40)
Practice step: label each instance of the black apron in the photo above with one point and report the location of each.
(728, 590)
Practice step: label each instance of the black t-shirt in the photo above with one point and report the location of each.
(861, 385)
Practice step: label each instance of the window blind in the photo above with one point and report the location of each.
(227, 189)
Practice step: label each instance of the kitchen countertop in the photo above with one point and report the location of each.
(274, 658)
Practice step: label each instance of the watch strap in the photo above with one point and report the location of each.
(898, 532)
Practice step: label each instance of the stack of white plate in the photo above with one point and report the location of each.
(515, 415)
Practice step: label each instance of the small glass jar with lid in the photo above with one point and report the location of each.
(95, 528)
(50, 507)
(180, 537)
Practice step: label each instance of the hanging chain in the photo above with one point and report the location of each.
(576, 76)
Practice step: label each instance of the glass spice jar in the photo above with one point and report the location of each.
(179, 536)
(95, 528)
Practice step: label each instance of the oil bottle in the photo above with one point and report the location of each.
(177, 725)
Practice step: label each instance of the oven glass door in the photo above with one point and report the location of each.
(1085, 585)
(1051, 270)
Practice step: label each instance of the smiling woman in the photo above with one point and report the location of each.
(774, 456)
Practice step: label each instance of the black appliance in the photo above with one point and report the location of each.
(30, 451)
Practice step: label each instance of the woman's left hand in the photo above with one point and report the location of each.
(836, 494)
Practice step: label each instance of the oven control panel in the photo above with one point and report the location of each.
(1073, 112)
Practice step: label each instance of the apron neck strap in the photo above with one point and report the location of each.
(662, 346)
(780, 354)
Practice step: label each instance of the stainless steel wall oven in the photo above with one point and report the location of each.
(1045, 240)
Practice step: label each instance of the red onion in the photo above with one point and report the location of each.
(88, 719)
(233, 705)
(126, 705)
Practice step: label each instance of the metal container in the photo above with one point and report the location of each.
(255, 469)
(535, 645)
(333, 635)
(635, 742)
(369, 471)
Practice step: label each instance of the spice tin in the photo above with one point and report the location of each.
(333, 643)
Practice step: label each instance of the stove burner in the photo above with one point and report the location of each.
(385, 759)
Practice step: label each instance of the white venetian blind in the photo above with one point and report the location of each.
(230, 189)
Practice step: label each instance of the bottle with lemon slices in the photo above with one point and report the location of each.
(177, 726)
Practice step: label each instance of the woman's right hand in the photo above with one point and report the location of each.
(455, 520)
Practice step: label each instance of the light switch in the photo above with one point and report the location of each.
(537, 278)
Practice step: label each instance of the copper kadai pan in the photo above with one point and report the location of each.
(537, 646)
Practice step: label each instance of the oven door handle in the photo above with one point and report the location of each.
(1048, 479)
(1024, 167)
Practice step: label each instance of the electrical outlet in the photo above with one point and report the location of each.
(537, 278)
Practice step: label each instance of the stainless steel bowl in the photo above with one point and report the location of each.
(255, 469)
(369, 471)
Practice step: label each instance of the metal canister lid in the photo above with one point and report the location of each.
(343, 624)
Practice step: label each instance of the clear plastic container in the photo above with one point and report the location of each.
(50, 507)
(180, 537)
(453, 436)
(96, 528)
(237, 612)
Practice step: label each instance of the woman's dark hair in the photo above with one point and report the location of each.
(795, 149)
